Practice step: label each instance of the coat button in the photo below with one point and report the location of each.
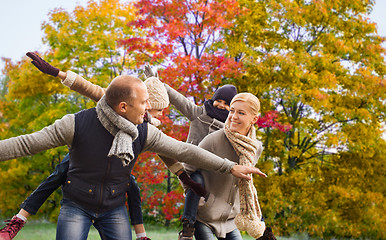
(68, 181)
(90, 190)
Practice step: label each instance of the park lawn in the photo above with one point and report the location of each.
(38, 230)
(44, 230)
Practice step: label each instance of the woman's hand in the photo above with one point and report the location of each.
(242, 171)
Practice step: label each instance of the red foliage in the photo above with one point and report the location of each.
(184, 38)
(180, 34)
(149, 169)
(270, 120)
(177, 131)
(151, 174)
(172, 204)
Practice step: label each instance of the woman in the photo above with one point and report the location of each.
(225, 211)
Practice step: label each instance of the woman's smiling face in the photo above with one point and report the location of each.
(241, 117)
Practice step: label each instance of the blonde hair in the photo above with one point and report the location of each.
(252, 101)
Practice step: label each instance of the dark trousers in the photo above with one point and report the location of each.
(192, 199)
(134, 202)
(57, 178)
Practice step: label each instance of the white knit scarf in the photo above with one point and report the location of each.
(124, 132)
(249, 218)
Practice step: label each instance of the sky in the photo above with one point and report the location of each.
(20, 24)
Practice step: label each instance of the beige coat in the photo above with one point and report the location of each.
(219, 211)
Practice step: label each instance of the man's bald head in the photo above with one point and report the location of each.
(122, 89)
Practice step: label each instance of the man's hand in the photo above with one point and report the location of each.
(42, 65)
(149, 72)
(242, 171)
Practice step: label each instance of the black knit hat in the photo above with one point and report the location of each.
(226, 93)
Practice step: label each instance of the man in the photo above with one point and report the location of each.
(104, 143)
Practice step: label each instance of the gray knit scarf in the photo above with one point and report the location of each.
(124, 132)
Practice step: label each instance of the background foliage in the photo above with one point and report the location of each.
(317, 67)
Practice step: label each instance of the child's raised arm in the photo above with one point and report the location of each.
(69, 78)
(179, 101)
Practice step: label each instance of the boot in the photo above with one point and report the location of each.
(187, 230)
(12, 228)
(267, 235)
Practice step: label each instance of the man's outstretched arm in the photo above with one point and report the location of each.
(58, 134)
(167, 146)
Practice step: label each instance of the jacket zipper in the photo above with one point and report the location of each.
(103, 184)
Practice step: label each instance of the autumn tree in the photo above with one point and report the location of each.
(319, 62)
(321, 65)
(183, 40)
(30, 102)
(84, 41)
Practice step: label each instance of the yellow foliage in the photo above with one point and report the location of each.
(85, 41)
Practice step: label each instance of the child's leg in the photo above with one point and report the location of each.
(190, 209)
(134, 202)
(192, 199)
(203, 232)
(47, 187)
(31, 205)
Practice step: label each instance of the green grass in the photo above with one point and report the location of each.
(43, 230)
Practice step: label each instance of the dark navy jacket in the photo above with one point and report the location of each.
(94, 181)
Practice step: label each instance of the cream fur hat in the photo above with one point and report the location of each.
(158, 96)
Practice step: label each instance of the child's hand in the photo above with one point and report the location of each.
(42, 65)
(149, 72)
(195, 186)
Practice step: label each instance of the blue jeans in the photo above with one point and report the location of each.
(74, 223)
(204, 232)
(192, 199)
